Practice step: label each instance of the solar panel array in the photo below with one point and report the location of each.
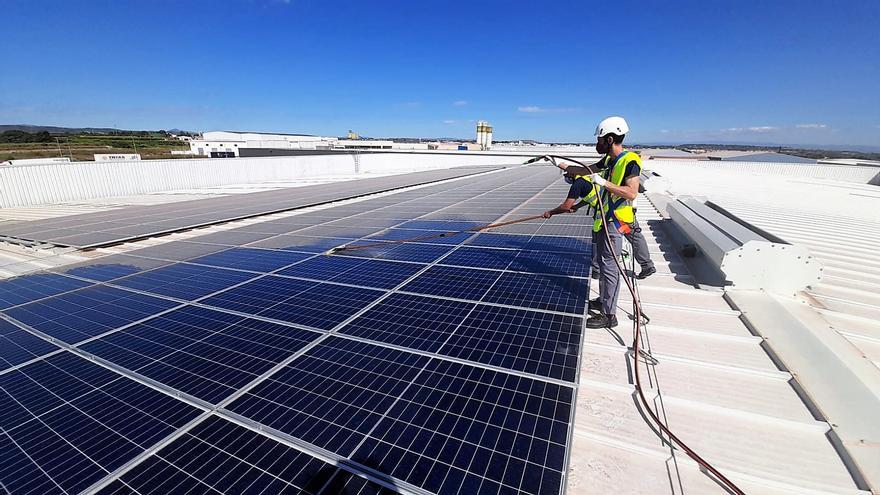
(265, 366)
(134, 222)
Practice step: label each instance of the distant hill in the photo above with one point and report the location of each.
(59, 130)
(74, 130)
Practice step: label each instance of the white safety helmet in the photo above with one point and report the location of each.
(612, 125)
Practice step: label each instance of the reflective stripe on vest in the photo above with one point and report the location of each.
(590, 198)
(619, 210)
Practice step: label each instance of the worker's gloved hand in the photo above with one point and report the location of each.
(598, 179)
(548, 214)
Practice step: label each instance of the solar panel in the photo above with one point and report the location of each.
(302, 243)
(424, 236)
(416, 253)
(573, 264)
(534, 342)
(258, 260)
(540, 291)
(182, 281)
(78, 315)
(27, 288)
(462, 429)
(296, 301)
(96, 229)
(231, 237)
(333, 395)
(202, 352)
(497, 259)
(71, 422)
(110, 267)
(251, 463)
(179, 250)
(354, 271)
(18, 346)
(443, 226)
(448, 281)
(410, 321)
(553, 243)
(500, 241)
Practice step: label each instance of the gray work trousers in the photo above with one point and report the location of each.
(639, 248)
(609, 275)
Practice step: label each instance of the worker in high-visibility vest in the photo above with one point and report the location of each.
(619, 186)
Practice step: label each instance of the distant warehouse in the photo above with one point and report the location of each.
(222, 144)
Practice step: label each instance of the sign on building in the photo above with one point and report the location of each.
(120, 157)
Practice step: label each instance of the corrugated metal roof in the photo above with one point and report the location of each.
(714, 384)
(838, 222)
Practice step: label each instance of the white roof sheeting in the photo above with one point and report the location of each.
(715, 385)
(839, 222)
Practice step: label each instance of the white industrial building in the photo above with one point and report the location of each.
(226, 143)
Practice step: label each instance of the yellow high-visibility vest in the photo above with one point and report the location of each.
(621, 208)
(591, 197)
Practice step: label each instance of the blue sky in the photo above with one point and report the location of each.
(722, 71)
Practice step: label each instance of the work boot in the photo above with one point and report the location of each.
(602, 321)
(595, 305)
(646, 272)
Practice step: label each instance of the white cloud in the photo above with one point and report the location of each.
(450, 121)
(756, 129)
(460, 103)
(537, 109)
(811, 126)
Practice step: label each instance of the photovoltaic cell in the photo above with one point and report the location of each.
(552, 293)
(509, 241)
(182, 281)
(355, 271)
(572, 264)
(539, 343)
(416, 253)
(332, 395)
(302, 243)
(259, 294)
(462, 429)
(296, 301)
(448, 281)
(251, 463)
(497, 259)
(410, 321)
(258, 260)
(552, 243)
(27, 288)
(18, 346)
(202, 352)
(423, 236)
(111, 267)
(76, 422)
(439, 225)
(379, 274)
(88, 312)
